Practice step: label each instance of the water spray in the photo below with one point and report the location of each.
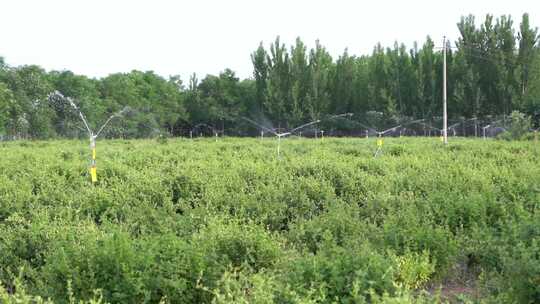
(380, 133)
(464, 123)
(279, 135)
(199, 127)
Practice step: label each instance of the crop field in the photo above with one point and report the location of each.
(227, 221)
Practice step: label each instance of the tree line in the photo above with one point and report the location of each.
(493, 69)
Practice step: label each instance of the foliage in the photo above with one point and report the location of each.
(202, 221)
(415, 269)
(520, 125)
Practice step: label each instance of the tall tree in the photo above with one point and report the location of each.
(343, 78)
(428, 72)
(468, 92)
(378, 81)
(320, 66)
(506, 46)
(278, 103)
(528, 38)
(260, 74)
(6, 101)
(300, 79)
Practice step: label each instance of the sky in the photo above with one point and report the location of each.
(99, 37)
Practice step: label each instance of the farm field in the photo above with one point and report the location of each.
(226, 221)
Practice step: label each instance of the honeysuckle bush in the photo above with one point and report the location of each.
(200, 221)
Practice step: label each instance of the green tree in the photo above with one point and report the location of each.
(221, 98)
(320, 66)
(6, 101)
(343, 80)
(279, 83)
(428, 79)
(300, 78)
(30, 87)
(260, 73)
(528, 39)
(467, 91)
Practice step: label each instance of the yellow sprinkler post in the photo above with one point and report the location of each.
(379, 145)
(93, 173)
(93, 169)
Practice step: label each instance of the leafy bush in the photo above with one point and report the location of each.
(230, 243)
(520, 125)
(513, 274)
(414, 269)
(337, 271)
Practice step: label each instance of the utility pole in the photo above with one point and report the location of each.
(445, 114)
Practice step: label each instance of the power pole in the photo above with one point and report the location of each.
(445, 114)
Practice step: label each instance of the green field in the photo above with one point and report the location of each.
(200, 221)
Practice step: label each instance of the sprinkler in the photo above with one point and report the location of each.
(93, 136)
(464, 124)
(200, 128)
(279, 135)
(489, 126)
(427, 128)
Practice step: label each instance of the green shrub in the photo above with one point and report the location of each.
(337, 271)
(227, 243)
(91, 260)
(414, 270)
(520, 125)
(200, 221)
(514, 272)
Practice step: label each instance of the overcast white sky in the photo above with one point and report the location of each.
(98, 37)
